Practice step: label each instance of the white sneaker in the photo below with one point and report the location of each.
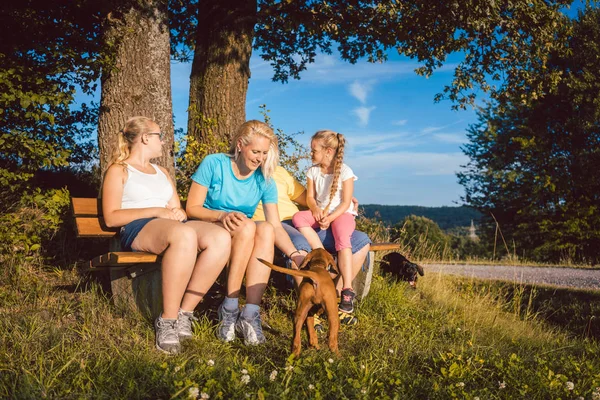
(251, 329)
(185, 321)
(167, 339)
(228, 319)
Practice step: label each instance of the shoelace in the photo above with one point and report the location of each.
(168, 330)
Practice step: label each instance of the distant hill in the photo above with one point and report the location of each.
(445, 217)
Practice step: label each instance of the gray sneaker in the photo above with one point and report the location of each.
(185, 318)
(167, 338)
(251, 329)
(226, 328)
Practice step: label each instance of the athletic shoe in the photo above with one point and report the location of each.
(251, 329)
(186, 318)
(347, 301)
(347, 319)
(167, 338)
(226, 328)
(318, 323)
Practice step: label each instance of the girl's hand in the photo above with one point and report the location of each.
(232, 220)
(324, 223)
(166, 214)
(317, 214)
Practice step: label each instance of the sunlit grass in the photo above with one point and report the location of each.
(451, 338)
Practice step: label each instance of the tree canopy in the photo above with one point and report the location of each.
(535, 166)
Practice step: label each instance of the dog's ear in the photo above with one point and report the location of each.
(306, 260)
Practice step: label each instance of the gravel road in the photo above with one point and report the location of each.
(565, 277)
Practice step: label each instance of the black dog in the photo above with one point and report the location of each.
(398, 266)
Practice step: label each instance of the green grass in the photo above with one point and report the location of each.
(451, 338)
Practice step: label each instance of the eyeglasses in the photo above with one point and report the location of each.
(161, 136)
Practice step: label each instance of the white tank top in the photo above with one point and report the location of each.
(143, 190)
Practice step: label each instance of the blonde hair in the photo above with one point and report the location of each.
(244, 135)
(133, 128)
(336, 141)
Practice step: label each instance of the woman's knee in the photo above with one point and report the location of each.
(246, 231)
(183, 236)
(265, 232)
(216, 238)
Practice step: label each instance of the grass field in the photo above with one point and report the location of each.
(451, 338)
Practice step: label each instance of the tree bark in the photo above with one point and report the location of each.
(221, 68)
(138, 82)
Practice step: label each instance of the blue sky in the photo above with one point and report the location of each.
(404, 148)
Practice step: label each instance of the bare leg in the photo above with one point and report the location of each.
(257, 275)
(242, 243)
(358, 259)
(178, 245)
(311, 237)
(214, 244)
(345, 266)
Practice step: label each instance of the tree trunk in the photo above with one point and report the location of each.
(139, 82)
(221, 68)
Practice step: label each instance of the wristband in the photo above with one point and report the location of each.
(293, 252)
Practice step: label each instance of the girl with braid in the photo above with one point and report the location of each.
(330, 184)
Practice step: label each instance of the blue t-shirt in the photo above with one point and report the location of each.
(228, 193)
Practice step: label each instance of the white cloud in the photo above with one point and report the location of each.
(363, 114)
(400, 122)
(450, 137)
(431, 129)
(360, 90)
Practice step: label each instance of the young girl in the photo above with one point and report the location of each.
(330, 184)
(141, 198)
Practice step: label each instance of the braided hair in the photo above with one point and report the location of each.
(336, 141)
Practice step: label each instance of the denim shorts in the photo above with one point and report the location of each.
(129, 232)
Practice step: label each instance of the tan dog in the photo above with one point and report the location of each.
(317, 287)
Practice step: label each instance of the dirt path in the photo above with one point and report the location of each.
(565, 277)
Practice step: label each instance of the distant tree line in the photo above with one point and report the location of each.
(445, 217)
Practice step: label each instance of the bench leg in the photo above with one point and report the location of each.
(362, 282)
(138, 289)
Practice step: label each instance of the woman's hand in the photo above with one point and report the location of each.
(232, 220)
(179, 214)
(317, 214)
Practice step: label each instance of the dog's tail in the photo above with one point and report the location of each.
(296, 272)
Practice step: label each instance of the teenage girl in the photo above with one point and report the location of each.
(140, 197)
(330, 184)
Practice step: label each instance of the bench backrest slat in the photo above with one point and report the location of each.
(86, 207)
(94, 227)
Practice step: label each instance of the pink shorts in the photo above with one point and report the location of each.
(341, 227)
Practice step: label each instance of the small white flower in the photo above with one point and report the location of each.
(460, 384)
(289, 368)
(391, 351)
(570, 385)
(193, 392)
(177, 368)
(245, 379)
(363, 391)
(244, 371)
(458, 329)
(330, 360)
(204, 395)
(210, 363)
(362, 367)
(476, 398)
(580, 398)
(501, 385)
(273, 375)
(311, 387)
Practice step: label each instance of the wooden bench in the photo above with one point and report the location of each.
(135, 280)
(134, 277)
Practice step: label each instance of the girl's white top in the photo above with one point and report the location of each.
(322, 183)
(143, 190)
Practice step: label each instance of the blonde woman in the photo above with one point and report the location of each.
(140, 197)
(226, 189)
